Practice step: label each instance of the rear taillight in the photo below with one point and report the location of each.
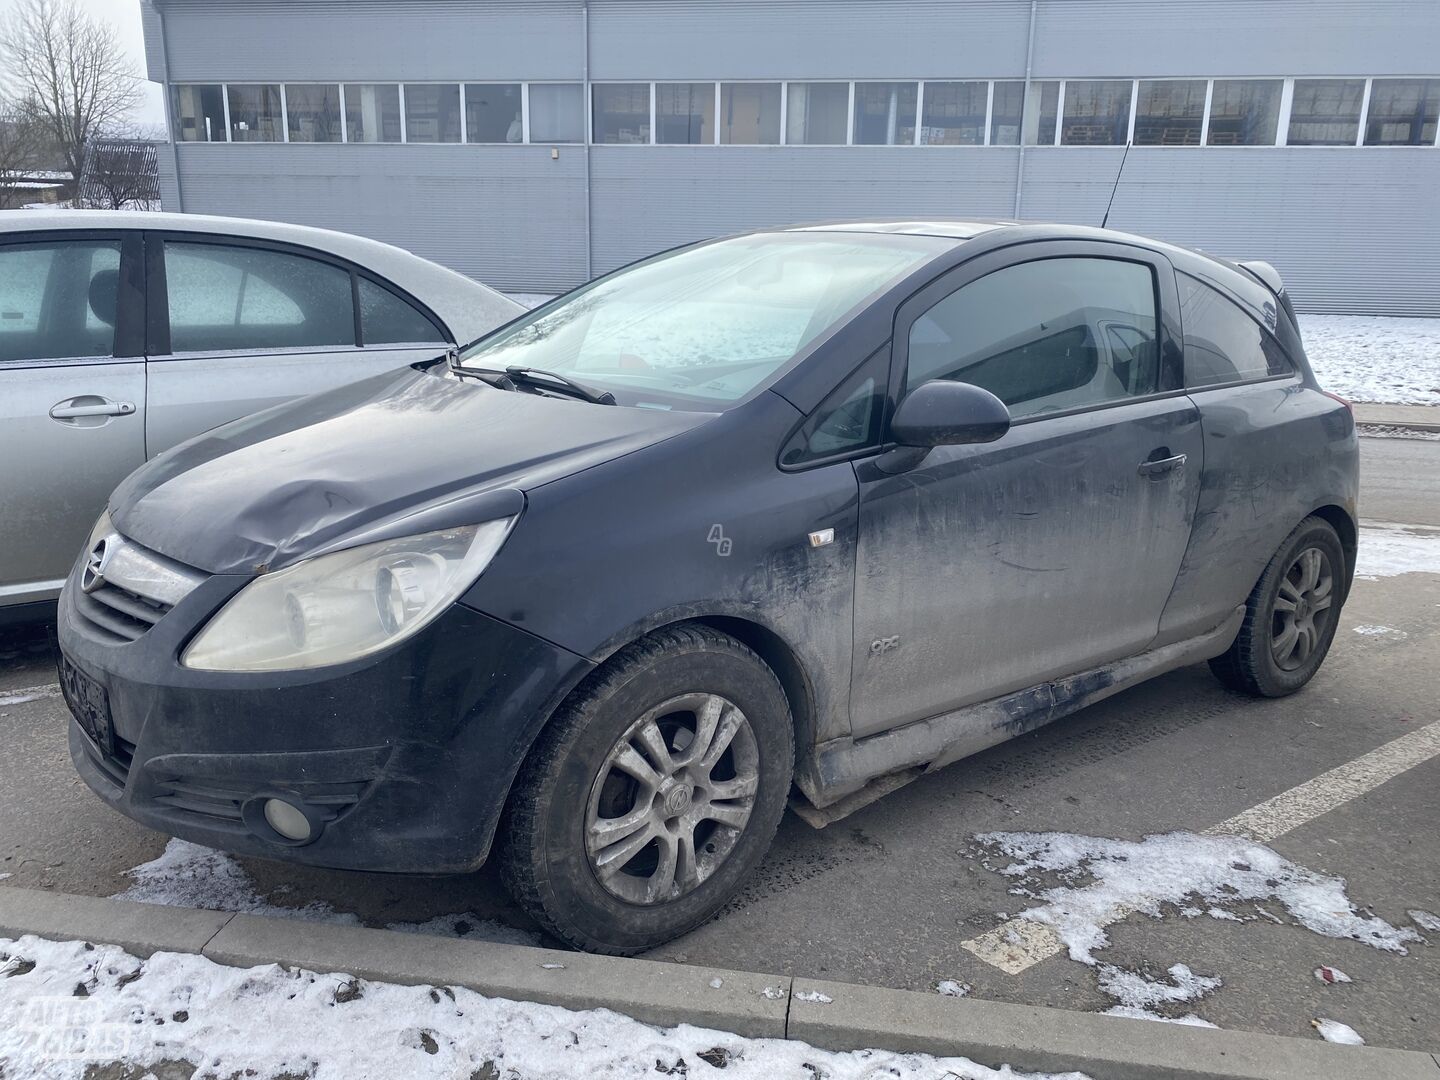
(1336, 397)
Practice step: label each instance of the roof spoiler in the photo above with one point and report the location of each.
(1268, 276)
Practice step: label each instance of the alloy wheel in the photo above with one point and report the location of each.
(1302, 609)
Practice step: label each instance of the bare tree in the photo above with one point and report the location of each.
(22, 146)
(120, 174)
(71, 70)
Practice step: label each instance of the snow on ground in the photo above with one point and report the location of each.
(1388, 550)
(1375, 358)
(1392, 431)
(229, 1021)
(1381, 631)
(189, 875)
(1084, 883)
(1425, 920)
(1336, 1032)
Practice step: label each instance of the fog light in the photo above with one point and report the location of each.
(286, 820)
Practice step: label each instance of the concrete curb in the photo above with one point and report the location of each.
(1415, 417)
(833, 1016)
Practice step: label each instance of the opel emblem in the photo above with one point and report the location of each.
(93, 576)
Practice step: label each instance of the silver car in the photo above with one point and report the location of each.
(122, 334)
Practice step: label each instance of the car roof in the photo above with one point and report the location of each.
(948, 228)
(467, 307)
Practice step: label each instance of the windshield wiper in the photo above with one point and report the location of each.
(553, 381)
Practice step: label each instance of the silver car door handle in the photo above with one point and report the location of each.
(1164, 465)
(105, 408)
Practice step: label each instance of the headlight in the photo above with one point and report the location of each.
(345, 605)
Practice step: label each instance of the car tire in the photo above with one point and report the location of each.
(567, 856)
(1287, 631)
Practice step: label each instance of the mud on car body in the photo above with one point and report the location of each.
(804, 507)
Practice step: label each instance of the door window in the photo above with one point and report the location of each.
(1222, 343)
(1046, 335)
(58, 300)
(386, 319)
(229, 298)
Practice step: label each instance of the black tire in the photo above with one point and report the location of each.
(544, 856)
(1250, 665)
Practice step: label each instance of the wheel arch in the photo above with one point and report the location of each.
(1340, 519)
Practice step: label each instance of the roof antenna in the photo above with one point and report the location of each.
(1118, 173)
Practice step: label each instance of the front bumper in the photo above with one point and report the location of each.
(402, 761)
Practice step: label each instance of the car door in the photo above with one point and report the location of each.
(237, 326)
(72, 396)
(986, 569)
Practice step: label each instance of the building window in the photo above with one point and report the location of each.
(1326, 112)
(816, 113)
(255, 113)
(199, 113)
(1042, 109)
(1168, 112)
(1006, 109)
(1402, 112)
(312, 112)
(432, 112)
(1096, 113)
(1244, 112)
(750, 113)
(622, 112)
(557, 113)
(885, 113)
(492, 113)
(685, 113)
(954, 114)
(372, 112)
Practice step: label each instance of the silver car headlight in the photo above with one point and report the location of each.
(345, 605)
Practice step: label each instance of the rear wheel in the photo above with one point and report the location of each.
(1290, 616)
(652, 794)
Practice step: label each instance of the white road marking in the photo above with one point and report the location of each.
(1019, 944)
(21, 694)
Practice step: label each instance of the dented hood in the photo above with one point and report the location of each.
(405, 452)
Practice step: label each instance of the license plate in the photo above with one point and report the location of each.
(90, 705)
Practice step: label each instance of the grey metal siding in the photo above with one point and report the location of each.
(1236, 37)
(508, 216)
(154, 52)
(373, 40)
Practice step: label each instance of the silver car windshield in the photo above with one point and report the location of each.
(702, 327)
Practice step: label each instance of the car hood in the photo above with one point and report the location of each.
(402, 453)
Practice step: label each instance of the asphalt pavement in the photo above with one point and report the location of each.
(892, 895)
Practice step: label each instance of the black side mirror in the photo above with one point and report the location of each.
(945, 413)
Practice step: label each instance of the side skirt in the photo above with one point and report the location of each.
(851, 769)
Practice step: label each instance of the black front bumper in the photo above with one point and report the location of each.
(402, 760)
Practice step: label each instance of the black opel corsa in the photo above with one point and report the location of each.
(805, 507)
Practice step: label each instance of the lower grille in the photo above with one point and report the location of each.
(203, 796)
(116, 766)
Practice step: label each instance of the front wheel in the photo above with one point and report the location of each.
(652, 794)
(1290, 616)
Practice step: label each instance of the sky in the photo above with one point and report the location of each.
(124, 15)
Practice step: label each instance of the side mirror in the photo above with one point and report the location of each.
(945, 413)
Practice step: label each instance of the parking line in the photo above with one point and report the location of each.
(1019, 944)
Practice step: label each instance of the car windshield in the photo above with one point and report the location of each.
(703, 327)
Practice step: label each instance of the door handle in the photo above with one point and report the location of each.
(62, 411)
(1164, 465)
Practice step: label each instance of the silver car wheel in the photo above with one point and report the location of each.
(1301, 609)
(672, 799)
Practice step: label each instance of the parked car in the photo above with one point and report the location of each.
(810, 506)
(122, 334)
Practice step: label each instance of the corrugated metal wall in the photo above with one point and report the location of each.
(1352, 230)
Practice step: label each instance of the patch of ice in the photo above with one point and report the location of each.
(951, 988)
(1381, 631)
(815, 997)
(270, 1021)
(1329, 975)
(1336, 1032)
(1425, 920)
(553, 967)
(1175, 868)
(1375, 358)
(1189, 1019)
(716, 983)
(1387, 550)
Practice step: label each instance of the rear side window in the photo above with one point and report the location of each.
(386, 319)
(1047, 335)
(235, 298)
(1223, 344)
(58, 300)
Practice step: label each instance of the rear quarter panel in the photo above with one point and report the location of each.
(1274, 453)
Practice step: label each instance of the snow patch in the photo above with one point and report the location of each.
(951, 988)
(1381, 631)
(815, 997)
(268, 1021)
(467, 925)
(1388, 550)
(1138, 995)
(1375, 358)
(1425, 920)
(1336, 1032)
